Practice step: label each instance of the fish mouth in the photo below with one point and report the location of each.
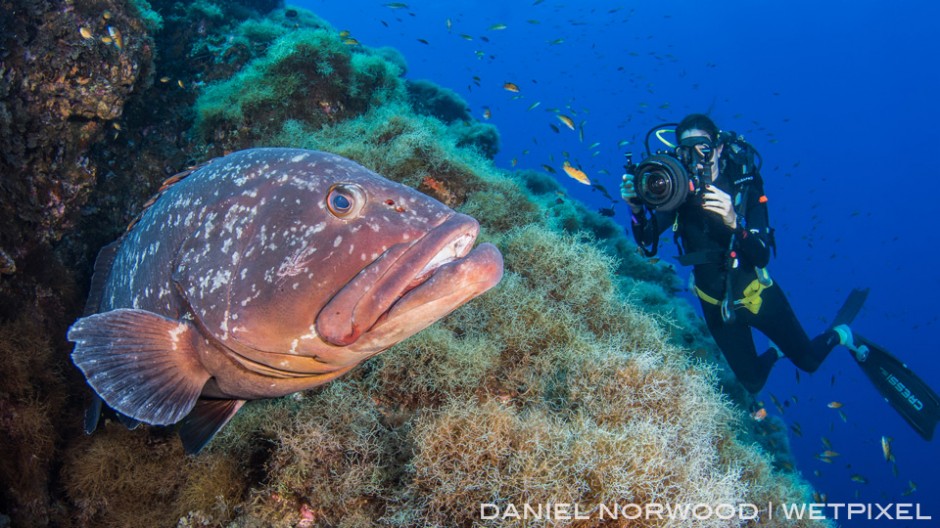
(411, 286)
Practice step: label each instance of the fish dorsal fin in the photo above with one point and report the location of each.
(142, 364)
(205, 420)
(167, 183)
(100, 276)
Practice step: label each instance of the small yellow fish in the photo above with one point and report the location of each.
(116, 36)
(164, 79)
(465, 36)
(556, 42)
(576, 173)
(107, 40)
(512, 87)
(623, 143)
(498, 27)
(886, 448)
(514, 162)
(85, 33)
(835, 405)
(344, 33)
(566, 120)
(486, 113)
(826, 442)
(180, 83)
(351, 42)
(534, 105)
(860, 479)
(116, 125)
(106, 15)
(829, 454)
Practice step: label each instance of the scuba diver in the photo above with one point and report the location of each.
(709, 191)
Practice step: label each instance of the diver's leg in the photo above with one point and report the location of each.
(737, 344)
(778, 322)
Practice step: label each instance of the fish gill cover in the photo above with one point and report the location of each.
(571, 382)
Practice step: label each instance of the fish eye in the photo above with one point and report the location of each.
(345, 200)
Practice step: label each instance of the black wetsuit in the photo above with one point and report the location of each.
(705, 237)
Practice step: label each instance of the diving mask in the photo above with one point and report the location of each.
(695, 149)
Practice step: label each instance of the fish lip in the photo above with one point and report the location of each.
(463, 279)
(374, 290)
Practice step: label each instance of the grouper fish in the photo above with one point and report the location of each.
(263, 273)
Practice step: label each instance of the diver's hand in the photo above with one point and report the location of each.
(628, 193)
(719, 202)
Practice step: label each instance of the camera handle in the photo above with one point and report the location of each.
(630, 168)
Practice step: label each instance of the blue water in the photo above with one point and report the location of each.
(839, 97)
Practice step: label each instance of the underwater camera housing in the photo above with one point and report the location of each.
(669, 178)
(663, 182)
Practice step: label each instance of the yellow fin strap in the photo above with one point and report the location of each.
(751, 300)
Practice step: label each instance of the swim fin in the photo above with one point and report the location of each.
(905, 391)
(850, 308)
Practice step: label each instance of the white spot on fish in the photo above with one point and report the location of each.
(338, 241)
(175, 335)
(312, 334)
(220, 279)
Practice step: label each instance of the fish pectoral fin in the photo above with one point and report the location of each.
(204, 421)
(142, 364)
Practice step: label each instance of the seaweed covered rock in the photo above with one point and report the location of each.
(427, 98)
(32, 402)
(308, 75)
(65, 77)
(431, 99)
